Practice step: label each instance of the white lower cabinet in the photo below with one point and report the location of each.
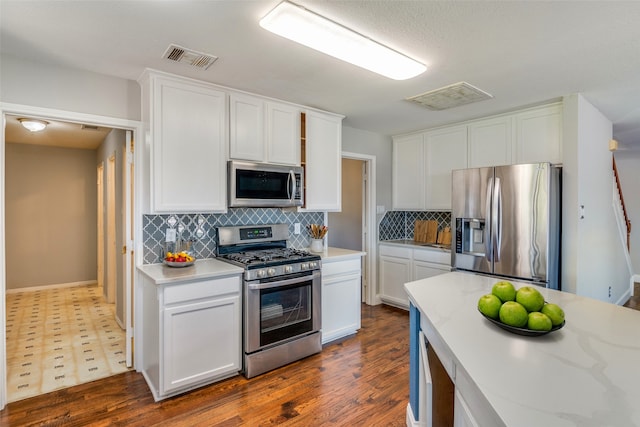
(341, 298)
(402, 264)
(462, 416)
(192, 334)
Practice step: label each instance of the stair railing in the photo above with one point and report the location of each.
(624, 209)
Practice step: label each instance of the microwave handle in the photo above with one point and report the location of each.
(292, 185)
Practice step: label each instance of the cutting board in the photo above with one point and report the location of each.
(444, 237)
(425, 231)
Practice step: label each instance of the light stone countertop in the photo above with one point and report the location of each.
(331, 254)
(209, 268)
(415, 245)
(585, 374)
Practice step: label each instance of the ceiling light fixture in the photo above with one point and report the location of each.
(33, 125)
(317, 32)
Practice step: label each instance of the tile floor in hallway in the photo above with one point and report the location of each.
(60, 337)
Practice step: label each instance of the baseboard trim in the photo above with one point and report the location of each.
(54, 286)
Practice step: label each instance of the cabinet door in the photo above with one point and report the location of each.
(394, 273)
(408, 186)
(201, 341)
(422, 270)
(445, 150)
(246, 128)
(490, 142)
(323, 162)
(188, 147)
(462, 416)
(283, 134)
(539, 135)
(340, 306)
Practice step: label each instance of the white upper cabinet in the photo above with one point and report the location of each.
(246, 128)
(263, 131)
(283, 134)
(490, 142)
(323, 162)
(445, 150)
(539, 135)
(187, 121)
(408, 181)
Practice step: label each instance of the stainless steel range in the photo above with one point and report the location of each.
(281, 302)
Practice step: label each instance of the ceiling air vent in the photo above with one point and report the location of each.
(88, 127)
(190, 57)
(450, 96)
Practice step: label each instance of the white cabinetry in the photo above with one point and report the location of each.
(191, 333)
(408, 173)
(445, 150)
(263, 131)
(490, 142)
(539, 135)
(323, 161)
(341, 298)
(402, 264)
(422, 165)
(187, 121)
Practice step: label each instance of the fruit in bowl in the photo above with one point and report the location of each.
(523, 311)
(178, 257)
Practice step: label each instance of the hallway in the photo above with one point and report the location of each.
(59, 338)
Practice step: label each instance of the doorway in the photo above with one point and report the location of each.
(355, 226)
(127, 184)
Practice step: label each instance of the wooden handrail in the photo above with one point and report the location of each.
(624, 209)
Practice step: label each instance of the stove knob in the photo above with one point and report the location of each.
(313, 264)
(288, 269)
(304, 266)
(271, 272)
(260, 273)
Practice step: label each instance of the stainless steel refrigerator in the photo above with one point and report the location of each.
(507, 222)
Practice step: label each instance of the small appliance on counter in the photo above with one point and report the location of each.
(281, 308)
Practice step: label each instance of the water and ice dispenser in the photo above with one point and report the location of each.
(470, 236)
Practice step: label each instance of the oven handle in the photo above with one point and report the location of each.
(257, 286)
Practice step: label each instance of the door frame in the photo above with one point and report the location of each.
(54, 114)
(369, 289)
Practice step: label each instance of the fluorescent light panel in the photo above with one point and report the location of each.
(317, 32)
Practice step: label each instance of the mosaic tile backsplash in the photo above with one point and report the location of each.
(200, 228)
(396, 225)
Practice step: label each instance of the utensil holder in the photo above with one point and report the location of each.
(317, 245)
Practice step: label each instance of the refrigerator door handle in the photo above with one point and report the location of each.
(488, 228)
(496, 218)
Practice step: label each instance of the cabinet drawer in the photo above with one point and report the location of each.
(395, 251)
(340, 267)
(437, 256)
(201, 289)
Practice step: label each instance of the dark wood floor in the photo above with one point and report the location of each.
(634, 301)
(361, 380)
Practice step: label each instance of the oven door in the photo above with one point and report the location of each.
(280, 309)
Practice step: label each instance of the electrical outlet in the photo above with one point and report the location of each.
(296, 228)
(609, 291)
(170, 235)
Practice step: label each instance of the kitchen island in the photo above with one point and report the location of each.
(585, 374)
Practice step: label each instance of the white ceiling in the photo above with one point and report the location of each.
(521, 52)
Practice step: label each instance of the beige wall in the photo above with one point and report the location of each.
(50, 219)
(345, 227)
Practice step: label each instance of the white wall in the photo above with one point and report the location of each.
(373, 144)
(70, 89)
(593, 255)
(628, 163)
(50, 214)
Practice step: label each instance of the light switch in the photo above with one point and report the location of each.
(296, 228)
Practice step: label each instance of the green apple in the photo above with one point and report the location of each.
(489, 305)
(504, 290)
(530, 298)
(539, 321)
(513, 314)
(555, 313)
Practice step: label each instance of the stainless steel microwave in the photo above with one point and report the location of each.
(263, 185)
